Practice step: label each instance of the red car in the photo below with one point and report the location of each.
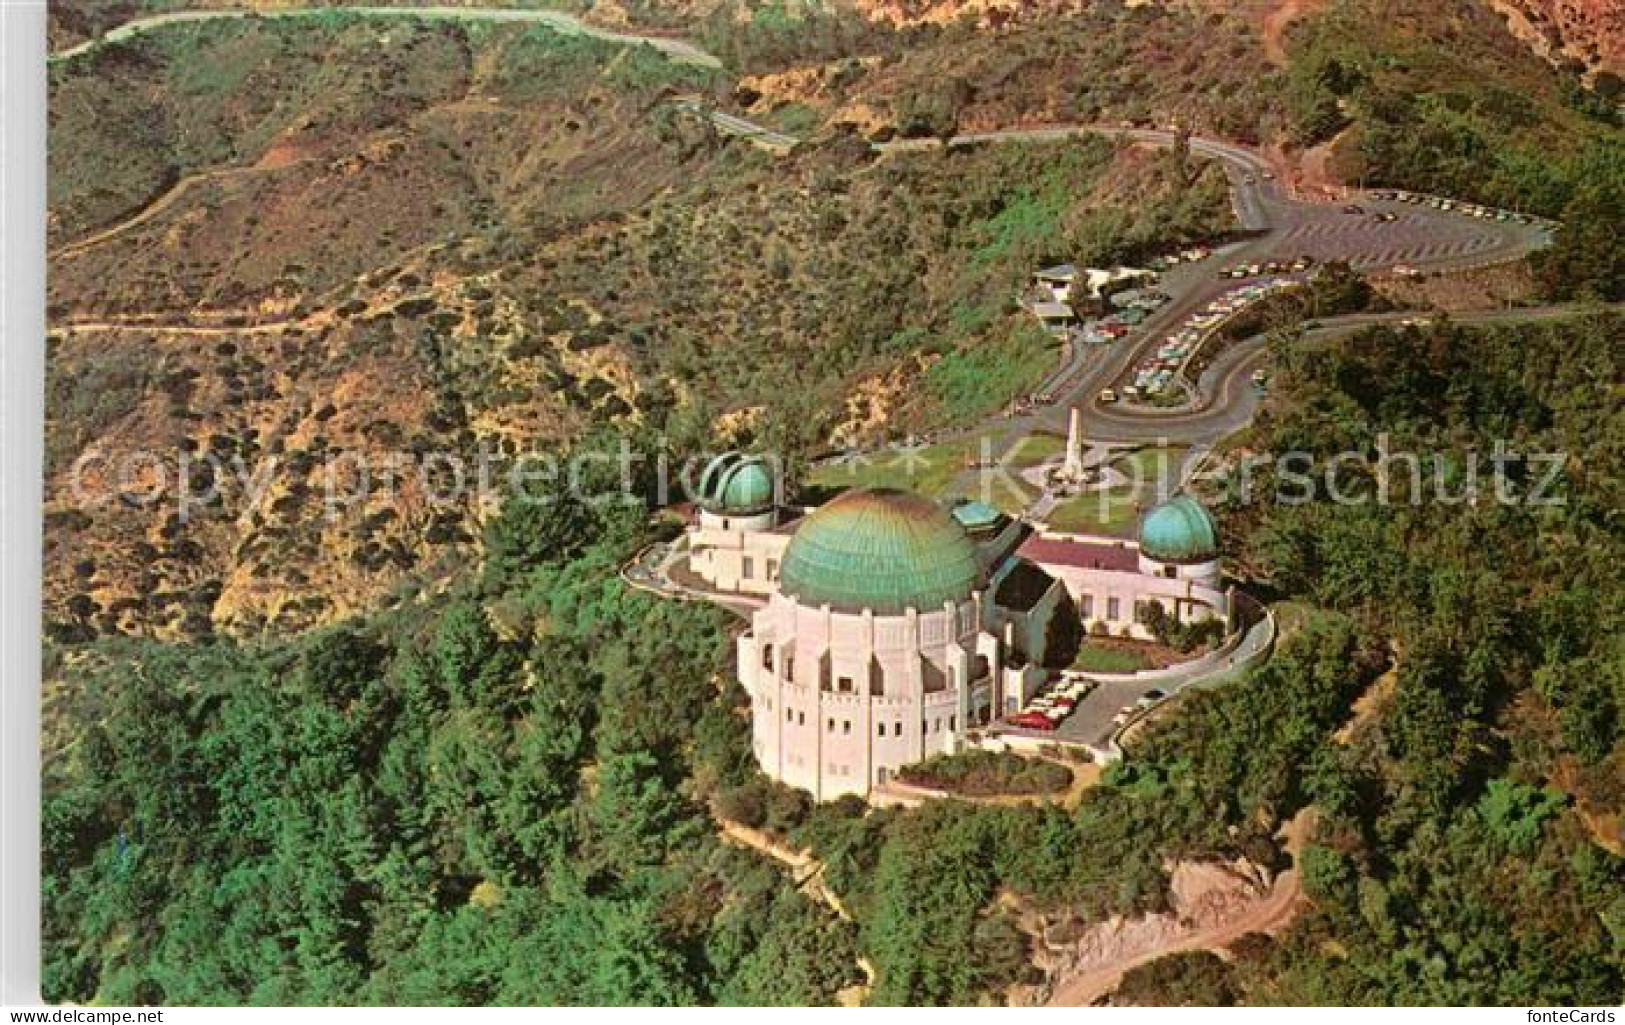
(1031, 721)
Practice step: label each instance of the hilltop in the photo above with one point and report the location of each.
(522, 235)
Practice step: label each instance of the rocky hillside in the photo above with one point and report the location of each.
(278, 252)
(1590, 33)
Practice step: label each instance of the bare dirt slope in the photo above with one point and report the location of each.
(1213, 907)
(1591, 32)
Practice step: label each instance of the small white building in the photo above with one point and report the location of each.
(1087, 288)
(743, 527)
(1174, 563)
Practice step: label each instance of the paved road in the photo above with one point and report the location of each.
(1277, 226)
(1226, 398)
(677, 49)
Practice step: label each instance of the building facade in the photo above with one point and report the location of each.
(888, 626)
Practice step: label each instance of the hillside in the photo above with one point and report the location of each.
(1588, 32)
(424, 743)
(519, 234)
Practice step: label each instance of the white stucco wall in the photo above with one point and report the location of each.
(907, 697)
(736, 560)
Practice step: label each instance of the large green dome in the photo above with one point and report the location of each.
(879, 549)
(1179, 530)
(737, 483)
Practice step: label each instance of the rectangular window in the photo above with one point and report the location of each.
(1111, 608)
(801, 718)
(789, 715)
(952, 723)
(772, 569)
(844, 685)
(747, 567)
(880, 730)
(832, 726)
(1086, 606)
(846, 727)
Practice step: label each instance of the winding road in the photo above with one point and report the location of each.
(1276, 226)
(680, 50)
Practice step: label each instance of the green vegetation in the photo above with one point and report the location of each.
(930, 470)
(974, 381)
(500, 789)
(986, 774)
(499, 795)
(569, 252)
(1192, 978)
(1098, 657)
(1111, 513)
(1421, 114)
(1453, 864)
(494, 797)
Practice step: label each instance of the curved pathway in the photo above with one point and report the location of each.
(1226, 398)
(679, 50)
(162, 202)
(1277, 226)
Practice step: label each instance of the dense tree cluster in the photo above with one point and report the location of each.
(1464, 855)
(496, 797)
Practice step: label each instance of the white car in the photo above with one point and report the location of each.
(1108, 395)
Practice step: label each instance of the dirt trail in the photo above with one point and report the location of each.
(163, 201)
(807, 875)
(1269, 914)
(1276, 23)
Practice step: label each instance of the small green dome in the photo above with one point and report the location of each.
(974, 515)
(737, 483)
(1179, 530)
(879, 549)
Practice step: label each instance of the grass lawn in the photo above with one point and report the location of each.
(1149, 465)
(1007, 492)
(1097, 658)
(1034, 449)
(930, 471)
(1116, 511)
(1113, 513)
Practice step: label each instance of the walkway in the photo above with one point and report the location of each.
(679, 50)
(1270, 914)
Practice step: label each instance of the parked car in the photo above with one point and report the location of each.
(1031, 721)
(1108, 395)
(1151, 697)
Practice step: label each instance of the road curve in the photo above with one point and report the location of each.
(1226, 398)
(680, 50)
(1274, 223)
